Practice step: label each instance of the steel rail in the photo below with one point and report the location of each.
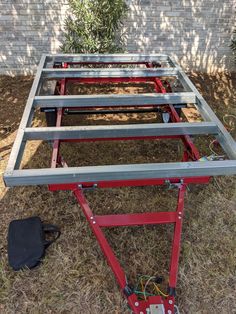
(119, 172)
(109, 100)
(118, 131)
(110, 72)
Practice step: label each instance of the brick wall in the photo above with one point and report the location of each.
(29, 28)
(196, 32)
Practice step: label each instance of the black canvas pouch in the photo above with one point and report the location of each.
(27, 242)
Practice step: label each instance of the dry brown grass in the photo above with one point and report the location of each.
(74, 277)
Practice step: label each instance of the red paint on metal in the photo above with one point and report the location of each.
(56, 143)
(120, 183)
(97, 222)
(135, 219)
(177, 238)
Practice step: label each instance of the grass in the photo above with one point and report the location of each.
(74, 277)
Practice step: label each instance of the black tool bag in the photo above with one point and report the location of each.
(27, 242)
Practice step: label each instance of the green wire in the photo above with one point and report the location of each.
(147, 294)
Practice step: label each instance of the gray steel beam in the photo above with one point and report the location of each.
(110, 72)
(18, 146)
(95, 174)
(117, 131)
(107, 58)
(114, 100)
(224, 137)
(88, 174)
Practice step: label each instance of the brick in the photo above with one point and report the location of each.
(28, 29)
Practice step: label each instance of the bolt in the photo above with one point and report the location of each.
(91, 217)
(141, 313)
(94, 222)
(169, 312)
(179, 217)
(170, 302)
(136, 304)
(180, 213)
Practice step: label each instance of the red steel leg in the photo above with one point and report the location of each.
(176, 241)
(56, 143)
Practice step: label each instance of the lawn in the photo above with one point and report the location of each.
(74, 276)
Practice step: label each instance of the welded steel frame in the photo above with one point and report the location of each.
(14, 176)
(174, 175)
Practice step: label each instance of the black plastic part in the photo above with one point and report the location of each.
(178, 110)
(156, 64)
(51, 115)
(128, 291)
(47, 109)
(51, 118)
(71, 112)
(57, 65)
(171, 291)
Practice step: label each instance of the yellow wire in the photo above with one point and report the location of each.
(159, 290)
(142, 285)
(155, 286)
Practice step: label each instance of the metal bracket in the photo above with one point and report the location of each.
(166, 117)
(48, 109)
(212, 158)
(171, 186)
(156, 309)
(128, 291)
(88, 188)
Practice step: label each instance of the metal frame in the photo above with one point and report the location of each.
(174, 175)
(212, 125)
(97, 222)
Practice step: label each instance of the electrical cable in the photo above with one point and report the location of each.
(159, 290)
(211, 149)
(146, 284)
(156, 287)
(176, 309)
(229, 124)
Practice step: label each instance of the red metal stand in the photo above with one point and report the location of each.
(97, 222)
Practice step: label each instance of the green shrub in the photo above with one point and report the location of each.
(94, 26)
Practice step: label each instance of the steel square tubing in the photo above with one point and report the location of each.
(114, 100)
(224, 138)
(111, 72)
(94, 174)
(18, 147)
(107, 58)
(136, 219)
(119, 131)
